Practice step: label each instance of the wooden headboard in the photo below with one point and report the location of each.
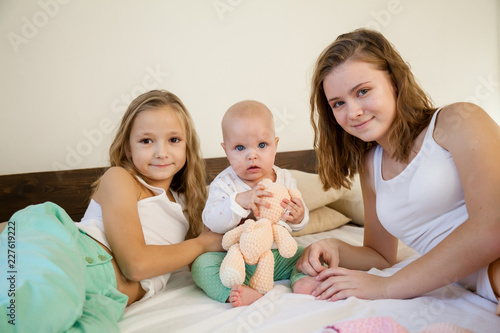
(71, 189)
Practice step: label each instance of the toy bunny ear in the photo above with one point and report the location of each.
(249, 225)
(295, 193)
(266, 182)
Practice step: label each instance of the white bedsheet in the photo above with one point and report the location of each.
(183, 307)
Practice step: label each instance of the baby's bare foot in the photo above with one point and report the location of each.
(306, 285)
(243, 295)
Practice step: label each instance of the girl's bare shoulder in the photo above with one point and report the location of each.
(457, 116)
(117, 180)
(459, 122)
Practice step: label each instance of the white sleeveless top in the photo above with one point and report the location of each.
(424, 203)
(163, 223)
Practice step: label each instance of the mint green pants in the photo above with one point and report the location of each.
(205, 271)
(58, 278)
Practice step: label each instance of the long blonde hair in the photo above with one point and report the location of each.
(341, 155)
(190, 180)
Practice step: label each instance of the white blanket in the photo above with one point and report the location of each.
(183, 307)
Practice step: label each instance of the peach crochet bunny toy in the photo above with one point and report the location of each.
(251, 243)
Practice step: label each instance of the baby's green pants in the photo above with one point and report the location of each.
(205, 271)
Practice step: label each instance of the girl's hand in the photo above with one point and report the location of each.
(254, 198)
(294, 210)
(210, 241)
(340, 283)
(315, 255)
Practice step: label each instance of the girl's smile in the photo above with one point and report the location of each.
(362, 124)
(161, 165)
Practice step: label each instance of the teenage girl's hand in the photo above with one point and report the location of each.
(340, 283)
(210, 241)
(294, 210)
(254, 198)
(315, 255)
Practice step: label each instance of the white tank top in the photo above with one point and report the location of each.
(424, 203)
(163, 223)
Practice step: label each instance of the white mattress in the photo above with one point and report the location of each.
(183, 307)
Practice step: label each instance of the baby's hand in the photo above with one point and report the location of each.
(294, 210)
(254, 198)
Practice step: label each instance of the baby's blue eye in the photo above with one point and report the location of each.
(262, 145)
(239, 148)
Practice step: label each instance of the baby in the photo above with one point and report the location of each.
(235, 194)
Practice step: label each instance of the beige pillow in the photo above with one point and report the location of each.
(312, 192)
(322, 219)
(351, 203)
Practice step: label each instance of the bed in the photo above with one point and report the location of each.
(183, 307)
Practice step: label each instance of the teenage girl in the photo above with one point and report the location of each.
(142, 223)
(429, 177)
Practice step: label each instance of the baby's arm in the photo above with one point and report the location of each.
(296, 213)
(117, 194)
(221, 212)
(253, 198)
(226, 208)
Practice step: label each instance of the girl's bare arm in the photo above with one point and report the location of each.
(118, 194)
(473, 139)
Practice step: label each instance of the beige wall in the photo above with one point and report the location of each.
(69, 68)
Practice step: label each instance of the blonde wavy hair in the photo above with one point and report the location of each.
(190, 180)
(341, 155)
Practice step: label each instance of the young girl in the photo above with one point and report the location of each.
(429, 177)
(132, 235)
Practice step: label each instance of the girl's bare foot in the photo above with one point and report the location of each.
(306, 285)
(243, 295)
